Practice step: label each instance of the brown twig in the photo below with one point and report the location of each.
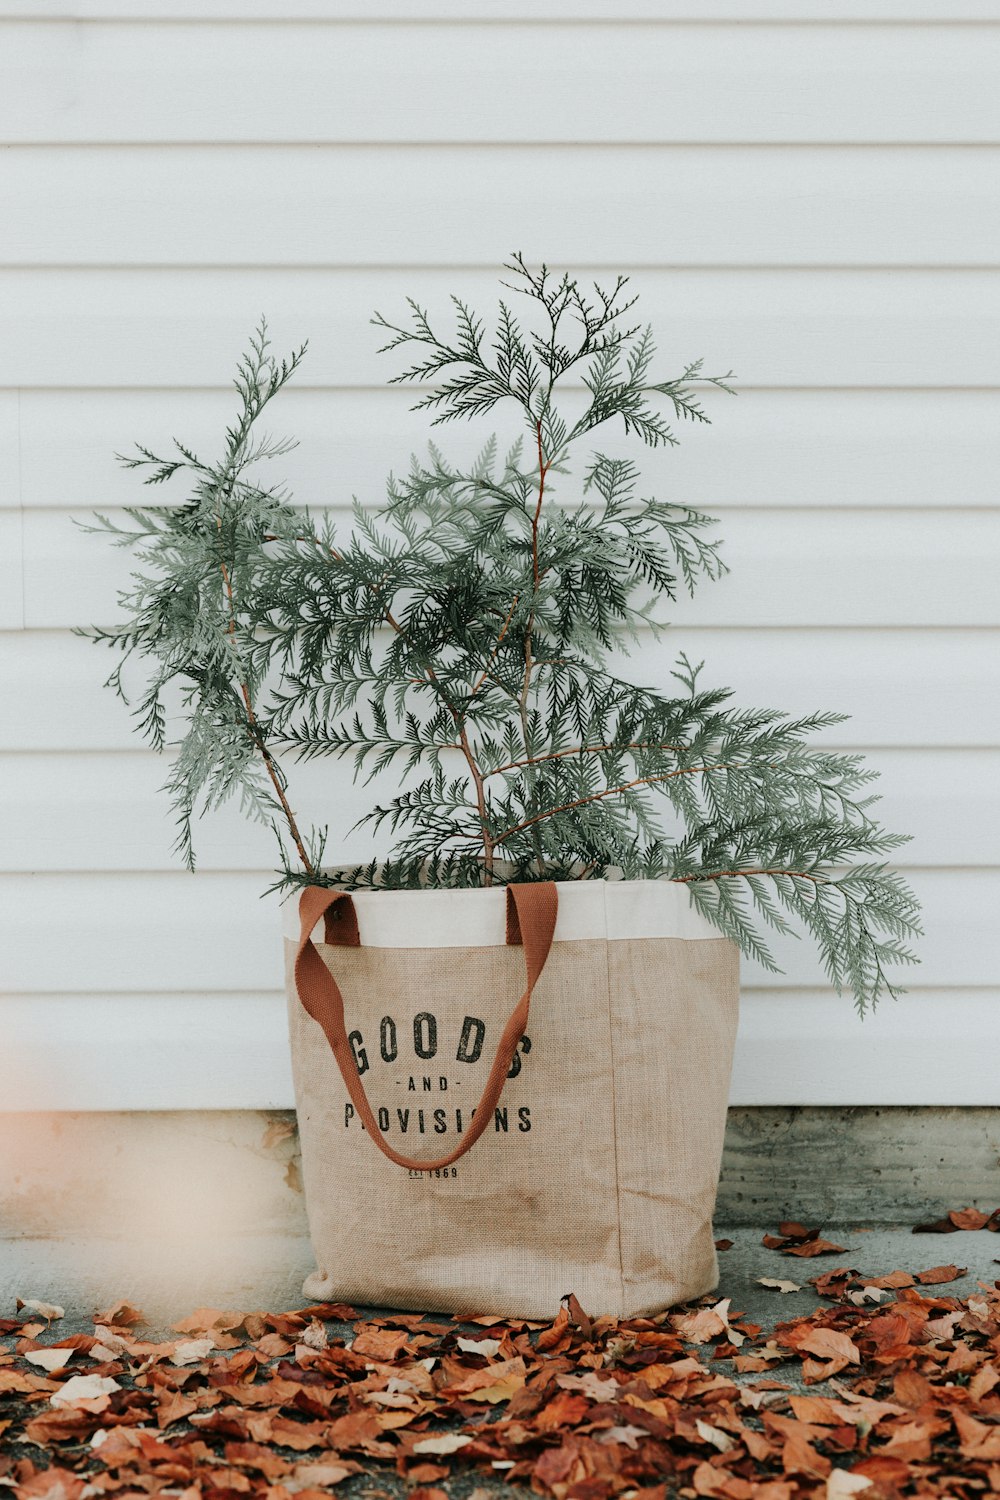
(543, 469)
(492, 656)
(537, 760)
(611, 791)
(722, 874)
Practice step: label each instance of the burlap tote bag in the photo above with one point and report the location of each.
(467, 1151)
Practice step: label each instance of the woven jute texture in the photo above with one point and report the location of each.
(598, 1172)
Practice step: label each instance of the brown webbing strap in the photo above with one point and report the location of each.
(531, 921)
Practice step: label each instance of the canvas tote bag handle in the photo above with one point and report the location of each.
(531, 921)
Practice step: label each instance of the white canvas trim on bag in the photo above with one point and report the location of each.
(613, 910)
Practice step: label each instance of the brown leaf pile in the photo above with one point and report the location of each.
(280, 1405)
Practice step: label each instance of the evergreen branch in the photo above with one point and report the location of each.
(270, 765)
(471, 616)
(611, 791)
(538, 760)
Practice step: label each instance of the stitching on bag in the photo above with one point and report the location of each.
(614, 1102)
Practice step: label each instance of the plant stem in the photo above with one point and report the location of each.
(257, 736)
(492, 656)
(611, 791)
(723, 874)
(537, 760)
(528, 634)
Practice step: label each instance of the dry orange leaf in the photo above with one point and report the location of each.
(940, 1274)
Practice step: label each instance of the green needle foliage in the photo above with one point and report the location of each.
(461, 635)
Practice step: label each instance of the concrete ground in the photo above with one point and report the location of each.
(169, 1280)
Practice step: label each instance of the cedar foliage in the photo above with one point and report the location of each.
(461, 634)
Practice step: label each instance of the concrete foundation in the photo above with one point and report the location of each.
(177, 1210)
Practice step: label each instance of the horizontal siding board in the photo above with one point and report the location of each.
(106, 812)
(486, 11)
(186, 328)
(925, 1049)
(769, 447)
(113, 82)
(901, 687)
(107, 933)
(900, 449)
(231, 1051)
(789, 568)
(955, 12)
(180, 205)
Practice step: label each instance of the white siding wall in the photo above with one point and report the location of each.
(805, 190)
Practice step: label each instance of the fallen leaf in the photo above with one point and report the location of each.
(53, 1483)
(383, 1344)
(714, 1435)
(792, 1230)
(977, 1440)
(101, 1354)
(49, 1358)
(778, 1286)
(827, 1343)
(809, 1248)
(448, 1442)
(208, 1320)
(592, 1385)
(578, 1317)
(706, 1324)
(111, 1340)
(939, 1274)
(79, 1389)
(866, 1294)
(427, 1473)
(893, 1281)
(47, 1310)
(628, 1436)
(551, 1338)
(968, 1218)
(487, 1347)
(191, 1351)
(507, 1379)
(985, 1378)
(566, 1409)
(840, 1484)
(315, 1336)
(121, 1315)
